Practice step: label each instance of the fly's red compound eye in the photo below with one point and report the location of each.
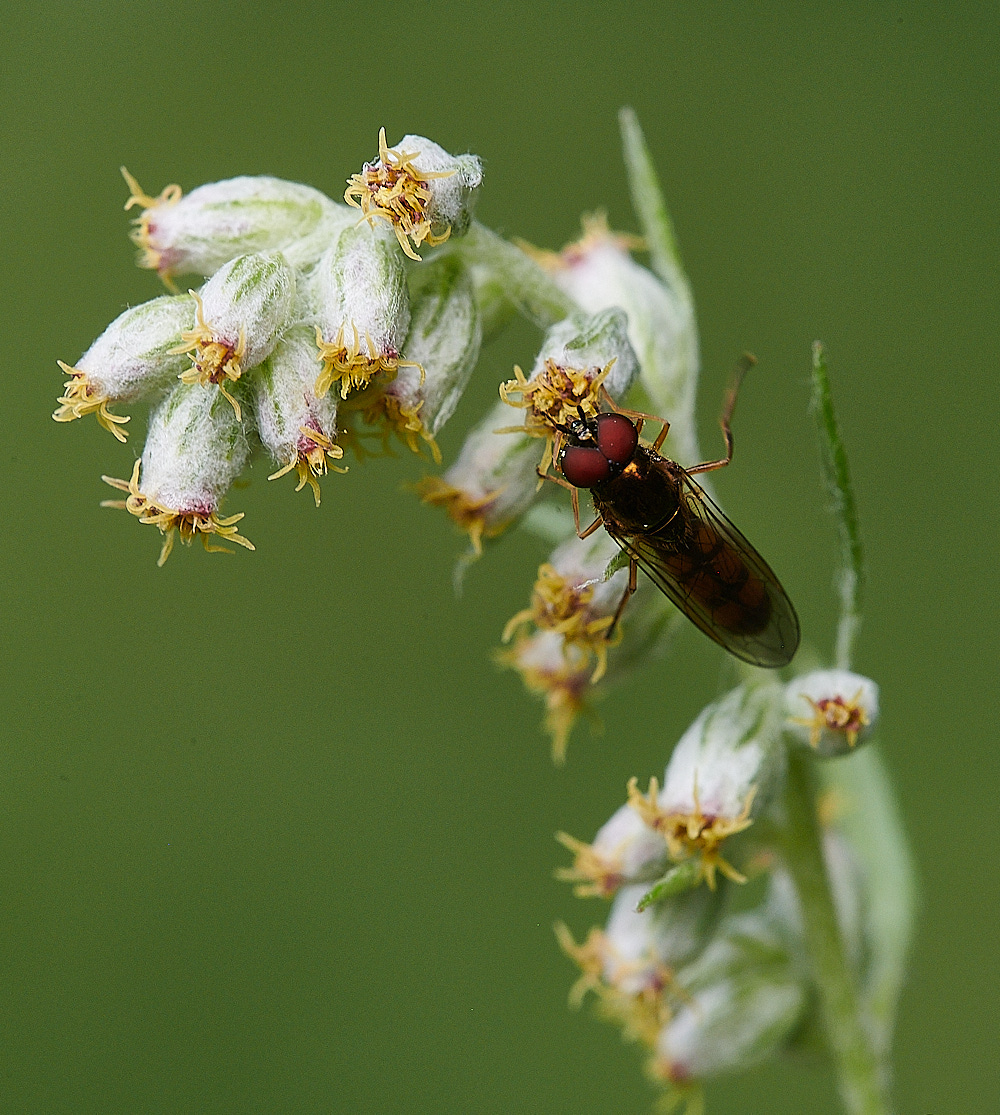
(617, 438)
(584, 465)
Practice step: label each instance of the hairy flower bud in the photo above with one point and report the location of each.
(135, 356)
(625, 851)
(598, 272)
(442, 348)
(569, 658)
(242, 311)
(831, 710)
(295, 427)
(671, 933)
(742, 1000)
(424, 193)
(491, 484)
(581, 361)
(360, 309)
(723, 773)
(195, 449)
(219, 221)
(631, 964)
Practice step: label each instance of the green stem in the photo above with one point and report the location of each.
(525, 284)
(863, 1087)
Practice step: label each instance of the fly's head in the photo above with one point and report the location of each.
(597, 449)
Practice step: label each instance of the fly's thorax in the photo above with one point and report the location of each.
(644, 496)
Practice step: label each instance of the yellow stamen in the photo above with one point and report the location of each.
(344, 361)
(81, 397)
(643, 1013)
(560, 605)
(693, 833)
(470, 513)
(310, 460)
(212, 361)
(563, 688)
(396, 191)
(381, 409)
(149, 257)
(596, 232)
(596, 875)
(589, 957)
(553, 398)
(186, 524)
(681, 1097)
(834, 714)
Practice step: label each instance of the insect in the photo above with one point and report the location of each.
(670, 529)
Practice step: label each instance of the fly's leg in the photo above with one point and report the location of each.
(725, 419)
(574, 493)
(581, 534)
(633, 581)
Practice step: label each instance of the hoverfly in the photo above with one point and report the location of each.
(670, 529)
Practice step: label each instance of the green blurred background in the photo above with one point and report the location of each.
(277, 836)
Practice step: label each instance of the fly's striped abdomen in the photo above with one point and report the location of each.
(709, 570)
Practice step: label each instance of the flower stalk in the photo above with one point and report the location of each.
(862, 1083)
(320, 324)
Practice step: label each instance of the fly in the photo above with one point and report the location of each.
(672, 530)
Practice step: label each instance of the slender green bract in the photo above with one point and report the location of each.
(837, 477)
(648, 201)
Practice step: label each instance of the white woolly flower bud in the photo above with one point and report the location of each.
(495, 479)
(360, 309)
(631, 964)
(831, 710)
(454, 182)
(491, 484)
(669, 934)
(222, 220)
(194, 451)
(442, 348)
(581, 360)
(598, 272)
(242, 311)
(568, 658)
(625, 851)
(135, 356)
(594, 342)
(723, 773)
(423, 192)
(296, 428)
(742, 1000)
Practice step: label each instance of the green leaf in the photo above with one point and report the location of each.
(619, 561)
(680, 877)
